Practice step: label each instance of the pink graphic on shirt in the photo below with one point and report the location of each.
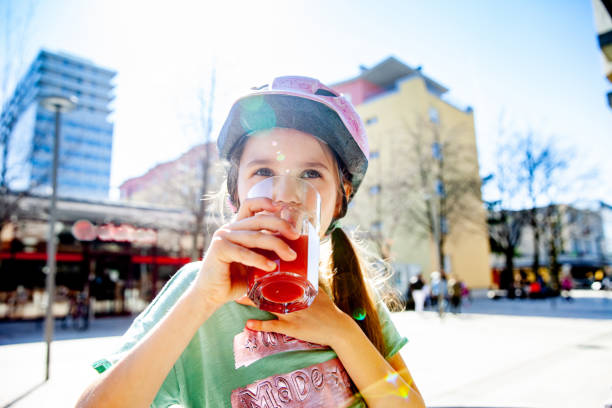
(250, 346)
(320, 385)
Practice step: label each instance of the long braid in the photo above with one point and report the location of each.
(349, 289)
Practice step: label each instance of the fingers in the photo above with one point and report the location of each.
(256, 239)
(267, 222)
(238, 279)
(275, 326)
(230, 252)
(252, 206)
(234, 242)
(245, 300)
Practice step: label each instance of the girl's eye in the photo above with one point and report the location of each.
(311, 174)
(265, 172)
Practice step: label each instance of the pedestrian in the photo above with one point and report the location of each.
(81, 319)
(427, 295)
(417, 286)
(195, 345)
(455, 294)
(434, 288)
(567, 283)
(444, 286)
(439, 290)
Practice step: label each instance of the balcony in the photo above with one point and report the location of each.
(72, 84)
(99, 78)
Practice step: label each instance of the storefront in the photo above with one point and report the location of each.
(111, 258)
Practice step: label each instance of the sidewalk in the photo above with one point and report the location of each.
(466, 360)
(18, 332)
(23, 350)
(582, 306)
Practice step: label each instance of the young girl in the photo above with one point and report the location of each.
(201, 343)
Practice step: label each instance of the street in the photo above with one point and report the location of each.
(464, 360)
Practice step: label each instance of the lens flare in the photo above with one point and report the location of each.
(403, 391)
(280, 156)
(392, 378)
(256, 115)
(359, 313)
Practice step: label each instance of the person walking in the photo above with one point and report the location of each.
(455, 294)
(417, 286)
(567, 283)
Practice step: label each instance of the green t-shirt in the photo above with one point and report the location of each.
(226, 365)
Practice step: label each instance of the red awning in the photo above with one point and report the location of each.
(42, 256)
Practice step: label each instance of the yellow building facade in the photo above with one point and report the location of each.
(423, 177)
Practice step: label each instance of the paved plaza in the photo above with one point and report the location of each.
(537, 358)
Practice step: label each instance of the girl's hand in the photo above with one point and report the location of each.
(222, 276)
(322, 322)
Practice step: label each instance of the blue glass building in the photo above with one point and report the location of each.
(86, 133)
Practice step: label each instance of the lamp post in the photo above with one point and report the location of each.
(58, 105)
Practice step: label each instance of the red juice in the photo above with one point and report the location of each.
(286, 288)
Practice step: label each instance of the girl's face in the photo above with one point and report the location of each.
(283, 151)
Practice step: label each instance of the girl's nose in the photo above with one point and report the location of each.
(287, 190)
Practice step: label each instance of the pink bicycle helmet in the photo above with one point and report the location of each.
(304, 104)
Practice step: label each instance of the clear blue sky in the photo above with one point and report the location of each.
(537, 62)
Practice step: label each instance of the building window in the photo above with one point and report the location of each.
(436, 151)
(576, 246)
(588, 247)
(374, 155)
(440, 188)
(434, 116)
(374, 190)
(372, 120)
(444, 228)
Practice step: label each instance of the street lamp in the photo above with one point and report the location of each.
(58, 105)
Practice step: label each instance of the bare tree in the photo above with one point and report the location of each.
(190, 182)
(206, 112)
(528, 182)
(505, 220)
(437, 185)
(505, 228)
(446, 188)
(541, 164)
(186, 182)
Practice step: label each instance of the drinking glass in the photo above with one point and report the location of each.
(293, 285)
